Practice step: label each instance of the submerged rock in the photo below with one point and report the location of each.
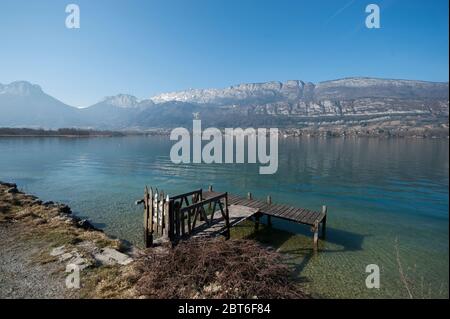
(85, 224)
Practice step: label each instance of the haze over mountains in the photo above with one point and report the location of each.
(289, 104)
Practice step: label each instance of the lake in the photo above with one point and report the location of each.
(387, 199)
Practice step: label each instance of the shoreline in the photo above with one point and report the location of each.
(42, 241)
(388, 132)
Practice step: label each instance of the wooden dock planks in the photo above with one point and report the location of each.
(290, 213)
(217, 226)
(173, 213)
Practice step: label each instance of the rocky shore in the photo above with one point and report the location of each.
(42, 242)
(39, 241)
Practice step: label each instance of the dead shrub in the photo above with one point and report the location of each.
(207, 268)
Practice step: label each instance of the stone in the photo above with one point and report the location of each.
(80, 261)
(110, 256)
(11, 190)
(65, 256)
(11, 185)
(85, 224)
(65, 209)
(58, 251)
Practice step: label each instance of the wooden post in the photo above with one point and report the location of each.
(189, 222)
(170, 223)
(154, 202)
(269, 218)
(177, 221)
(210, 189)
(146, 216)
(324, 221)
(148, 211)
(316, 236)
(249, 195)
(166, 218)
(182, 225)
(159, 207)
(227, 217)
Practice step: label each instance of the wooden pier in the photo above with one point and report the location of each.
(209, 213)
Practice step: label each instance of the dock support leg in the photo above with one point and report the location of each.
(324, 222)
(227, 218)
(148, 217)
(269, 218)
(316, 237)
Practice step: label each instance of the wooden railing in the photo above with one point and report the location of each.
(178, 217)
(186, 218)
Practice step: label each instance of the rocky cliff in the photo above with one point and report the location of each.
(350, 101)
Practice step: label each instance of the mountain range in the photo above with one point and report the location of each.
(292, 103)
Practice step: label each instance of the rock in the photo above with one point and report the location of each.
(11, 190)
(85, 224)
(66, 256)
(65, 209)
(109, 256)
(11, 185)
(48, 203)
(73, 257)
(58, 251)
(81, 262)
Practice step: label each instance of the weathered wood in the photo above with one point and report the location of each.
(316, 237)
(269, 218)
(185, 195)
(165, 221)
(324, 221)
(189, 217)
(146, 216)
(290, 213)
(227, 216)
(170, 218)
(182, 225)
(177, 221)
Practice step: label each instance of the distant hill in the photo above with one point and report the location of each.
(25, 105)
(291, 104)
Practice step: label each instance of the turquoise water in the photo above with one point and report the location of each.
(378, 192)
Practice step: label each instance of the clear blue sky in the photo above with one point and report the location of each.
(148, 47)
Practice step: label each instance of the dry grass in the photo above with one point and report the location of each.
(109, 282)
(43, 227)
